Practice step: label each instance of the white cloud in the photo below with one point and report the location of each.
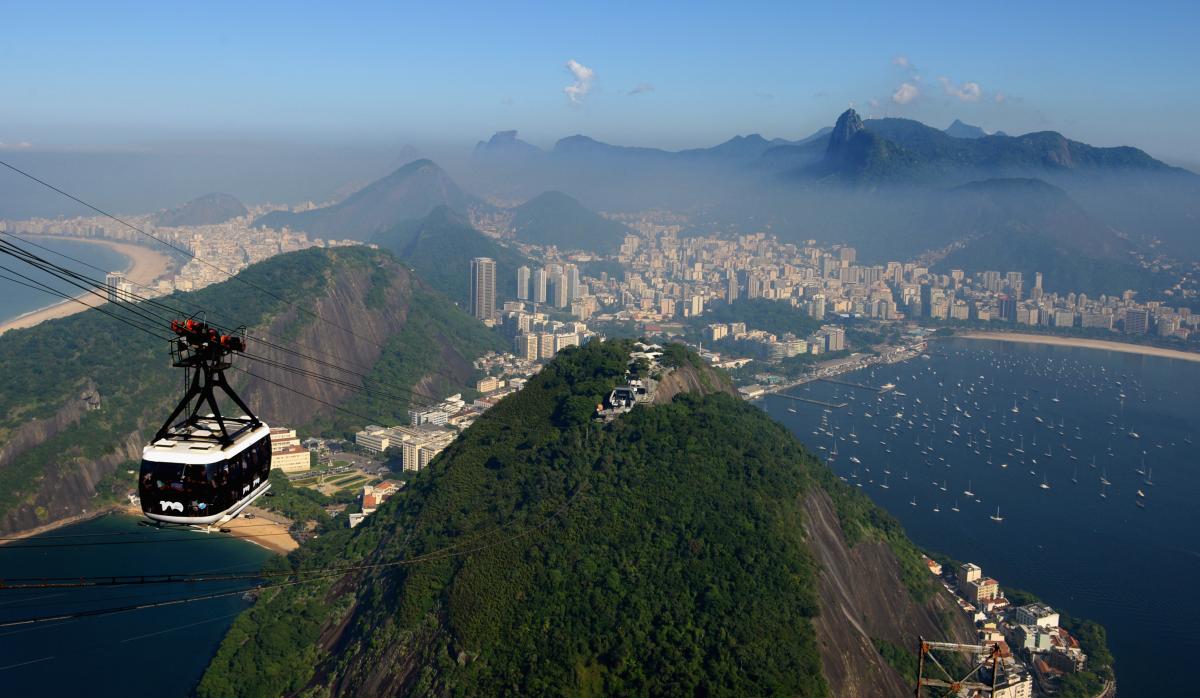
(23, 145)
(584, 75)
(902, 61)
(966, 92)
(1000, 97)
(906, 93)
(642, 87)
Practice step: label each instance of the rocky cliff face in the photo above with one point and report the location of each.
(689, 379)
(862, 600)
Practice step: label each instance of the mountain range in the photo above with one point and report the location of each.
(895, 188)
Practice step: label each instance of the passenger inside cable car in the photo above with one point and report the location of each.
(200, 492)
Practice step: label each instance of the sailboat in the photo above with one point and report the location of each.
(1045, 485)
(1149, 477)
(1075, 475)
(943, 486)
(955, 507)
(885, 484)
(968, 491)
(914, 501)
(997, 517)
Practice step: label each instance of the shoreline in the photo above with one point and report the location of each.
(1082, 343)
(143, 268)
(265, 533)
(60, 523)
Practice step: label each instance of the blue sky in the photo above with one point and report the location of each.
(672, 75)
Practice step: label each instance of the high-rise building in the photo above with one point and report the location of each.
(558, 290)
(119, 288)
(1137, 321)
(817, 306)
(483, 288)
(540, 281)
(573, 283)
(523, 283)
(731, 287)
(525, 346)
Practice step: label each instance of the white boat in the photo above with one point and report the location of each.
(1045, 485)
(968, 491)
(997, 517)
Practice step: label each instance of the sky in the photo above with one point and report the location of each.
(104, 75)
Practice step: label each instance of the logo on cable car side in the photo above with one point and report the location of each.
(177, 506)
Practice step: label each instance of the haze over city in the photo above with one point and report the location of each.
(684, 349)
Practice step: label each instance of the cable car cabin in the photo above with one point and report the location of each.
(189, 478)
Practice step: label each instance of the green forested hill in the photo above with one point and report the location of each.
(662, 554)
(415, 334)
(554, 218)
(440, 246)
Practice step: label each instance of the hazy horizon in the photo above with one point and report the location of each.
(650, 77)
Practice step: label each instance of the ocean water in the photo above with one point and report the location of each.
(949, 428)
(16, 299)
(152, 652)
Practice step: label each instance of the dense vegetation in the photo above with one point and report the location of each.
(660, 554)
(554, 218)
(759, 314)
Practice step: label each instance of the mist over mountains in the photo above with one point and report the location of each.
(895, 188)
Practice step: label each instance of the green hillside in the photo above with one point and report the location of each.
(663, 554)
(553, 218)
(47, 367)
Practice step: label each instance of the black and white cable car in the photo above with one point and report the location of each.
(205, 468)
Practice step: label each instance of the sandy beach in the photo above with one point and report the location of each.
(145, 267)
(1084, 343)
(263, 531)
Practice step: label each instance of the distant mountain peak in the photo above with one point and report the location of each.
(958, 129)
(411, 191)
(848, 124)
(209, 209)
